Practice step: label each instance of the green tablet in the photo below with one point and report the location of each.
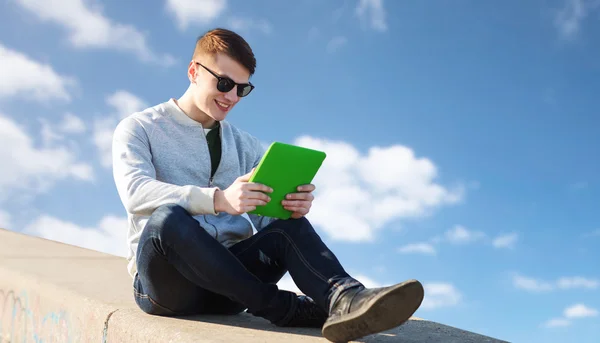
(284, 167)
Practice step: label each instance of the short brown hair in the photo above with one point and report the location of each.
(228, 42)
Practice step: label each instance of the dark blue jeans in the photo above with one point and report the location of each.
(182, 270)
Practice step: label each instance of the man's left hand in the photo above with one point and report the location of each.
(299, 203)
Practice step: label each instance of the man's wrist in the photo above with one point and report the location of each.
(218, 201)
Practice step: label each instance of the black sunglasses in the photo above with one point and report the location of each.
(225, 84)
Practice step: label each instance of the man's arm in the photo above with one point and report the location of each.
(135, 177)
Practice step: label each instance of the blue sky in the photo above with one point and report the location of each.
(462, 137)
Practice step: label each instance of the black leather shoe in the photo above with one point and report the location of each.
(360, 311)
(307, 314)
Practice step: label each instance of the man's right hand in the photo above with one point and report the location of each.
(242, 196)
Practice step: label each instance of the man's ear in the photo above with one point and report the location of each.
(191, 72)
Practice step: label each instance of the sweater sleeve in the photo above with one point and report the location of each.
(135, 176)
(259, 222)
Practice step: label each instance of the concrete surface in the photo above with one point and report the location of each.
(54, 292)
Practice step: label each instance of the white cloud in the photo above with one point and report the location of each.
(573, 312)
(48, 133)
(458, 235)
(5, 220)
(536, 285)
(110, 235)
(557, 322)
(72, 124)
(531, 284)
(27, 167)
(246, 24)
(580, 311)
(357, 195)
(103, 134)
(202, 12)
(461, 235)
(577, 282)
(418, 248)
(336, 43)
(82, 171)
(440, 294)
(372, 13)
(20, 75)
(123, 104)
(568, 20)
(507, 241)
(89, 28)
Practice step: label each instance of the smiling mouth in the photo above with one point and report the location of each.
(223, 106)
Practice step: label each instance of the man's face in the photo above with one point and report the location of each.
(208, 98)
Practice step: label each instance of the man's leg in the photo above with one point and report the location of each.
(354, 311)
(192, 267)
(165, 292)
(294, 245)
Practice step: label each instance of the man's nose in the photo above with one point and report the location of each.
(232, 95)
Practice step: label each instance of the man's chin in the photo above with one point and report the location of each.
(219, 115)
(216, 117)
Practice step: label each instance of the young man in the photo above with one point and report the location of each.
(182, 173)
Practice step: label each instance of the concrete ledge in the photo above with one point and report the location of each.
(54, 292)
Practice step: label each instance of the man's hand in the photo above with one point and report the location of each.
(242, 196)
(300, 203)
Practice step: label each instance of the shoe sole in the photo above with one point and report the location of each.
(388, 310)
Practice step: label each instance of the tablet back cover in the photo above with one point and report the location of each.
(284, 167)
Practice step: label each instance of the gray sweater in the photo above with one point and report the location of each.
(160, 156)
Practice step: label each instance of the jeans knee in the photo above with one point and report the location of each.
(169, 222)
(294, 227)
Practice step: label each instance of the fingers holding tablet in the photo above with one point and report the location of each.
(250, 195)
(259, 187)
(242, 196)
(306, 188)
(300, 196)
(289, 169)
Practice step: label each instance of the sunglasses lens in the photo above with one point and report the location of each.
(244, 90)
(225, 85)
